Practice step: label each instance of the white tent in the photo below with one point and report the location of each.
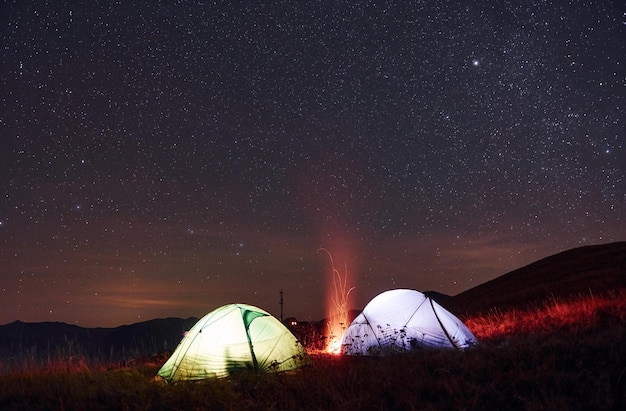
(402, 320)
(234, 338)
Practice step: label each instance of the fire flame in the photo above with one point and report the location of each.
(337, 306)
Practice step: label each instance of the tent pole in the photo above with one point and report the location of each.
(441, 324)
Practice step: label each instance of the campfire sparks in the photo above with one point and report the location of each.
(337, 305)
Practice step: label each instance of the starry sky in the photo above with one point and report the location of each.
(163, 158)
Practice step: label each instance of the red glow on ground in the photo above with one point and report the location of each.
(573, 313)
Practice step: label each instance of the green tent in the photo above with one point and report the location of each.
(231, 339)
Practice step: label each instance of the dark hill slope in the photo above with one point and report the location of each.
(594, 269)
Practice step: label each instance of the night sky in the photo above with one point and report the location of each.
(163, 158)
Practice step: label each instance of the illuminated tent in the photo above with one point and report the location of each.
(231, 339)
(398, 321)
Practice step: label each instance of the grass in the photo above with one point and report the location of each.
(584, 311)
(563, 354)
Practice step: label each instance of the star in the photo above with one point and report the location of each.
(422, 149)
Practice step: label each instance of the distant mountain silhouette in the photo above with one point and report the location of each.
(53, 339)
(157, 335)
(45, 338)
(583, 270)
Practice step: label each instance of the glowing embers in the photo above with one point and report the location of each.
(336, 306)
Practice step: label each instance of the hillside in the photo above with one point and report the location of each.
(591, 269)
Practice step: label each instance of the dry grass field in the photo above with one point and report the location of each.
(557, 355)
